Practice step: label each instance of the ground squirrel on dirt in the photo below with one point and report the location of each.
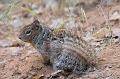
(61, 50)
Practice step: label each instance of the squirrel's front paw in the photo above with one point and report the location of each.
(55, 74)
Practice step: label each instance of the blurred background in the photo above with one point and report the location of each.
(98, 22)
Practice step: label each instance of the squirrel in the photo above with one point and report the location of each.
(62, 50)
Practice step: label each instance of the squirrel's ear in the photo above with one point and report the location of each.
(36, 22)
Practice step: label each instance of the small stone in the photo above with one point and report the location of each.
(115, 16)
(17, 23)
(116, 32)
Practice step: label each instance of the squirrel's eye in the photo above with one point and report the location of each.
(28, 32)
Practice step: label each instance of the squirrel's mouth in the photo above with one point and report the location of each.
(22, 38)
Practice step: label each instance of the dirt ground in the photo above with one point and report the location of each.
(19, 60)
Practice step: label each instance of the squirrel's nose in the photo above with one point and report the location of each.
(19, 37)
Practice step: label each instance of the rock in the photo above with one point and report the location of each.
(16, 23)
(115, 16)
(116, 32)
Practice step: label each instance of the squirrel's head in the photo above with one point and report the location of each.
(29, 32)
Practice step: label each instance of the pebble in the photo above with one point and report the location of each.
(16, 23)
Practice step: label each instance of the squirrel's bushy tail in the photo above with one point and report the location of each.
(75, 42)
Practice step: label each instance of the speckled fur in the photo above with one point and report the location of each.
(54, 49)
